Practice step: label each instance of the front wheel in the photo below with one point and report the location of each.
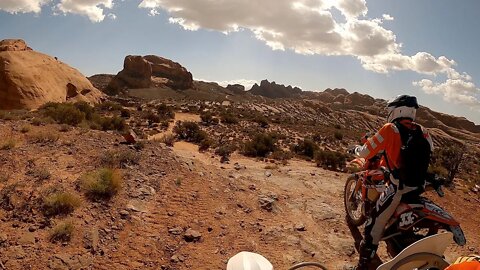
(353, 203)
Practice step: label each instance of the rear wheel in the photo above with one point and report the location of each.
(353, 203)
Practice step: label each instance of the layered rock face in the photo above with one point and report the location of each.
(29, 79)
(150, 71)
(273, 90)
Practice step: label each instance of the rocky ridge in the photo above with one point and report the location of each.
(29, 79)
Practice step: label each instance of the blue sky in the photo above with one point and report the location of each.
(382, 48)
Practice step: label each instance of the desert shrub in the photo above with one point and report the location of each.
(4, 177)
(306, 148)
(337, 126)
(168, 139)
(63, 113)
(261, 120)
(14, 115)
(112, 123)
(102, 183)
(317, 137)
(60, 203)
(165, 112)
(119, 159)
(228, 118)
(151, 117)
(63, 232)
(85, 108)
(125, 113)
(109, 106)
(225, 150)
(8, 144)
(38, 121)
(330, 159)
(280, 154)
(205, 144)
(450, 158)
(260, 145)
(64, 128)
(189, 131)
(438, 170)
(25, 129)
(338, 135)
(208, 119)
(40, 173)
(43, 137)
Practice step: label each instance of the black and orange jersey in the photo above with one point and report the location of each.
(388, 140)
(471, 262)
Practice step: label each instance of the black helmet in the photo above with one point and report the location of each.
(403, 106)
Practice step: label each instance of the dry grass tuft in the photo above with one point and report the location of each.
(43, 137)
(102, 183)
(62, 232)
(60, 203)
(8, 144)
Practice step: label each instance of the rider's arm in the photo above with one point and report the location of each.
(376, 143)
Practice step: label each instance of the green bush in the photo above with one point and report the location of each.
(225, 150)
(151, 117)
(260, 145)
(306, 148)
(62, 232)
(85, 108)
(228, 118)
(43, 137)
(165, 112)
(60, 203)
(102, 183)
(208, 119)
(63, 113)
(189, 131)
(112, 123)
(205, 144)
(330, 159)
(281, 155)
(8, 144)
(119, 159)
(261, 120)
(338, 135)
(109, 106)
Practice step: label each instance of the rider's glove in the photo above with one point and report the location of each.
(353, 150)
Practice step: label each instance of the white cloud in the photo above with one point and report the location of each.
(387, 17)
(247, 83)
(93, 9)
(458, 91)
(22, 6)
(309, 27)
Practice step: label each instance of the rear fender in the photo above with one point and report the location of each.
(436, 213)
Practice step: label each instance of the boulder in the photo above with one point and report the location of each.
(150, 71)
(136, 73)
(13, 45)
(178, 76)
(273, 90)
(29, 79)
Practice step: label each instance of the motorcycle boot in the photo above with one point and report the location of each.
(366, 254)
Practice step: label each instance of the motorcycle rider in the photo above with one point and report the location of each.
(403, 186)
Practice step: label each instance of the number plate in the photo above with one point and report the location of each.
(458, 235)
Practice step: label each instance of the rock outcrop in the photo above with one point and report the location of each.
(273, 90)
(28, 79)
(150, 71)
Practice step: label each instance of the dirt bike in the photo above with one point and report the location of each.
(411, 221)
(425, 254)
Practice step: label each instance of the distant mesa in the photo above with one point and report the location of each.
(273, 90)
(150, 71)
(237, 89)
(29, 79)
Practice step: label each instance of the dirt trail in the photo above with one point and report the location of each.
(310, 198)
(178, 117)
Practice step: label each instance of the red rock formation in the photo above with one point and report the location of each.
(28, 79)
